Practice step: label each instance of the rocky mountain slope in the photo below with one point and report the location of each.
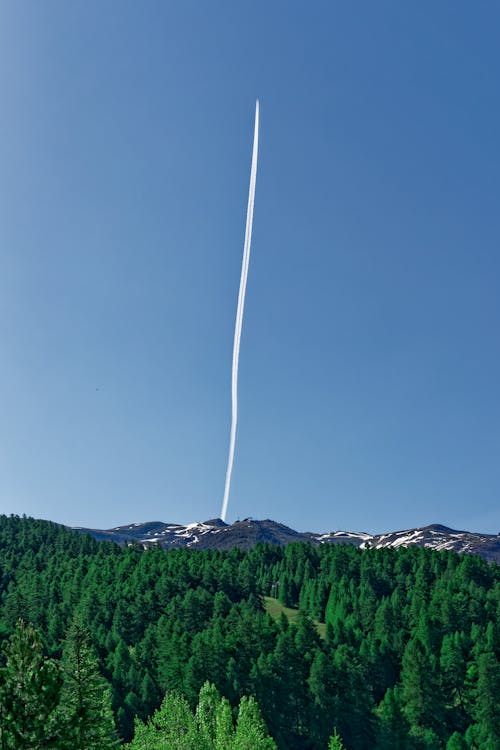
(215, 534)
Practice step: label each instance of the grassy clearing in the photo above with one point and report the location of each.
(276, 609)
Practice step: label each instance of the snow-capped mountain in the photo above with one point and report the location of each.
(215, 534)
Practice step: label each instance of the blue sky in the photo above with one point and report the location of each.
(370, 359)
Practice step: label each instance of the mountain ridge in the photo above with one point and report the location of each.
(216, 534)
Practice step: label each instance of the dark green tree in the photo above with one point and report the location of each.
(420, 691)
(85, 706)
(453, 670)
(29, 690)
(457, 742)
(324, 688)
(392, 728)
(485, 733)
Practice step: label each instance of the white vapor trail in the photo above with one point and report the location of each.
(239, 312)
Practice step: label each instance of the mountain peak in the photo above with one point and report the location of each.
(216, 522)
(245, 533)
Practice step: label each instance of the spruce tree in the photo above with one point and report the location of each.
(485, 733)
(85, 706)
(251, 731)
(457, 742)
(171, 726)
(224, 728)
(335, 742)
(393, 728)
(28, 693)
(206, 714)
(420, 691)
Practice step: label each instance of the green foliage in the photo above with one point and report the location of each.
(335, 742)
(29, 687)
(251, 732)
(211, 727)
(457, 742)
(420, 688)
(408, 658)
(485, 733)
(171, 726)
(393, 728)
(85, 705)
(206, 714)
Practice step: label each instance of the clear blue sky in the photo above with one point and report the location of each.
(370, 359)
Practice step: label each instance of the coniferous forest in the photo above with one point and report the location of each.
(289, 647)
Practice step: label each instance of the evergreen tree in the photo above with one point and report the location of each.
(422, 705)
(355, 720)
(287, 591)
(224, 729)
(85, 706)
(393, 728)
(171, 727)
(29, 688)
(335, 742)
(148, 694)
(453, 670)
(251, 732)
(486, 732)
(324, 687)
(457, 742)
(206, 714)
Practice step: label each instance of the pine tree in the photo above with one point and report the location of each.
(287, 591)
(148, 695)
(28, 693)
(171, 726)
(251, 732)
(85, 705)
(206, 713)
(174, 727)
(393, 729)
(453, 670)
(457, 742)
(324, 688)
(224, 729)
(421, 696)
(335, 742)
(486, 732)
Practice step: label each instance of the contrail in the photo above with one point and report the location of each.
(239, 312)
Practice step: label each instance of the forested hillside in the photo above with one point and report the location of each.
(407, 658)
